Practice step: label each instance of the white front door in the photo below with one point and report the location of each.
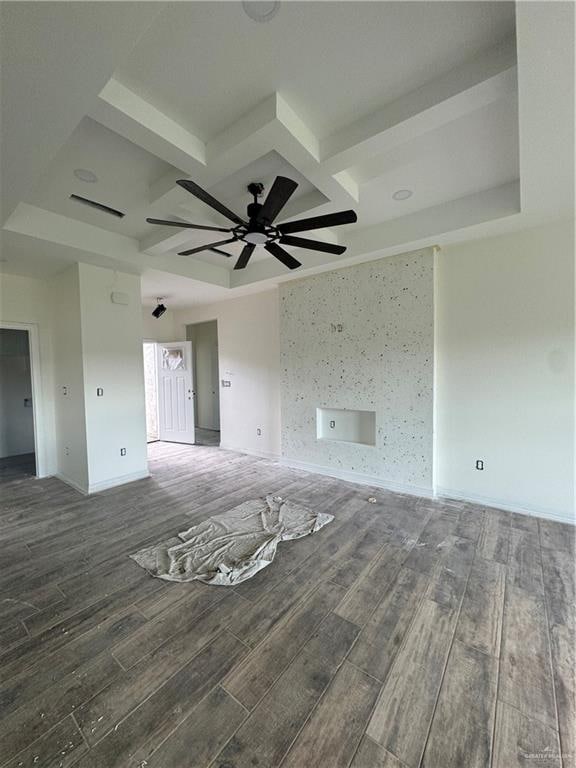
(175, 395)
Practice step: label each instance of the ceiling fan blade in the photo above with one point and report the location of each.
(319, 222)
(207, 247)
(201, 194)
(282, 255)
(313, 245)
(221, 252)
(244, 257)
(278, 196)
(185, 224)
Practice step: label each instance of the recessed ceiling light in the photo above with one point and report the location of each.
(84, 175)
(402, 194)
(261, 10)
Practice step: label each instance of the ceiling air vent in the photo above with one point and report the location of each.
(99, 206)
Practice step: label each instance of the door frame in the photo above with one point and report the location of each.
(38, 410)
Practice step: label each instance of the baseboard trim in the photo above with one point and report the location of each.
(80, 488)
(487, 501)
(103, 485)
(359, 478)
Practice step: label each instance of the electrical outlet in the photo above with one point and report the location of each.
(64, 390)
(66, 451)
(99, 392)
(479, 464)
(259, 432)
(122, 451)
(226, 383)
(332, 424)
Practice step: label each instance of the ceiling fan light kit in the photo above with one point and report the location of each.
(260, 228)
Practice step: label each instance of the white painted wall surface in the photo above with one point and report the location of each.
(249, 348)
(72, 463)
(362, 338)
(158, 329)
(505, 367)
(16, 420)
(25, 300)
(113, 360)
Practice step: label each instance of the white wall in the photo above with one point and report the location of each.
(16, 420)
(113, 360)
(25, 300)
(249, 348)
(158, 329)
(362, 338)
(505, 368)
(72, 462)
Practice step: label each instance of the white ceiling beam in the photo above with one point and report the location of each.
(52, 227)
(466, 211)
(123, 111)
(479, 82)
(371, 242)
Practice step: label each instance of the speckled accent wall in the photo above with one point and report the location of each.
(362, 338)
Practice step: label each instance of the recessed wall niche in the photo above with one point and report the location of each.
(346, 426)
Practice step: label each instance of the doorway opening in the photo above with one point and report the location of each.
(151, 391)
(17, 433)
(204, 338)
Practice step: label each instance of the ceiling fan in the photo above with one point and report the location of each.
(260, 229)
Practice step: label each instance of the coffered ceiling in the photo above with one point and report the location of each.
(354, 101)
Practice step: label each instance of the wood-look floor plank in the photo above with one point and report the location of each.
(525, 673)
(19, 729)
(270, 730)
(563, 646)
(333, 732)
(41, 675)
(198, 738)
(372, 755)
(558, 537)
(461, 731)
(370, 588)
(522, 742)
(402, 716)
(494, 537)
(480, 621)
(525, 565)
(379, 641)
(58, 748)
(147, 726)
(10, 635)
(114, 702)
(559, 572)
(450, 573)
(64, 632)
(250, 680)
(182, 618)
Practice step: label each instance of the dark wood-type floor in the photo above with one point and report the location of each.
(406, 633)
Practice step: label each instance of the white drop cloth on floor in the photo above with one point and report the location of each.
(230, 548)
